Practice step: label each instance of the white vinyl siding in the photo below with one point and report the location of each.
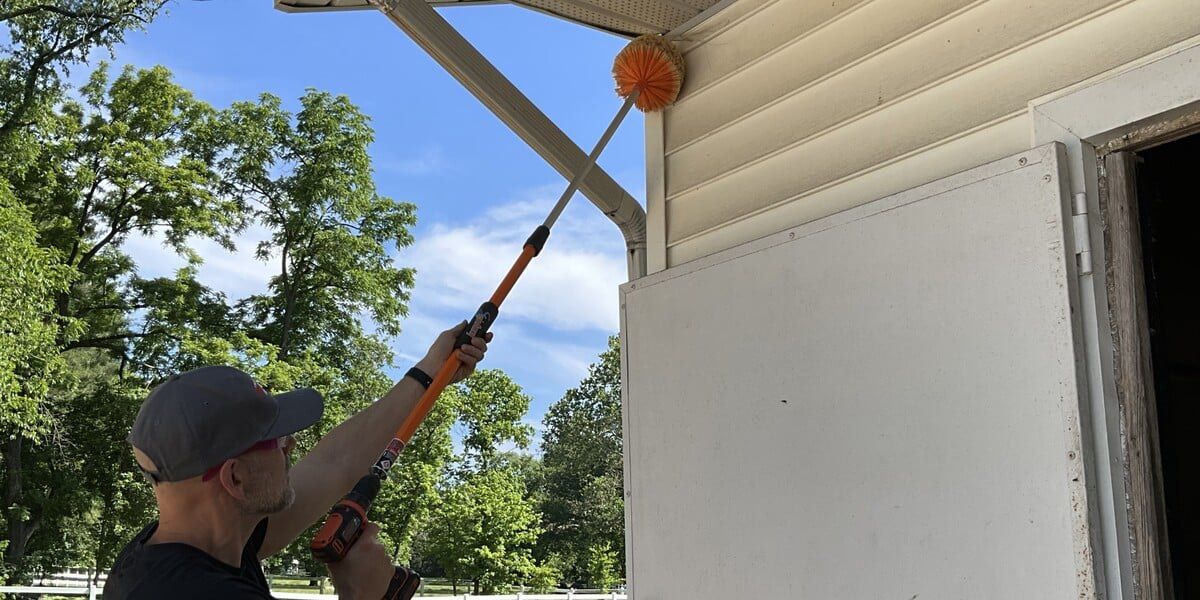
(793, 110)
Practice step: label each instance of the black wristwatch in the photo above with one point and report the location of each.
(422, 377)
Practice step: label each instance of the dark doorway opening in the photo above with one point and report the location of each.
(1168, 190)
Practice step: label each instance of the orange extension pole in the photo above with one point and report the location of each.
(648, 73)
(487, 313)
(344, 524)
(450, 367)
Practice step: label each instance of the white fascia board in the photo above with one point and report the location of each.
(298, 6)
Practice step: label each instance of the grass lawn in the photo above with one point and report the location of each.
(302, 585)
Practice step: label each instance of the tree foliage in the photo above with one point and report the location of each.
(31, 278)
(133, 153)
(45, 39)
(582, 470)
(306, 179)
(602, 568)
(483, 531)
(410, 493)
(309, 183)
(490, 408)
(485, 523)
(138, 154)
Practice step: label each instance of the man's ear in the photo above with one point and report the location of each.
(233, 479)
(145, 465)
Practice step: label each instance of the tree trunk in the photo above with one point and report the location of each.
(105, 530)
(19, 531)
(62, 304)
(12, 460)
(289, 299)
(285, 333)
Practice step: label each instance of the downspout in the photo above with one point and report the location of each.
(459, 58)
(630, 218)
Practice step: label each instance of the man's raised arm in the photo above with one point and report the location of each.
(347, 452)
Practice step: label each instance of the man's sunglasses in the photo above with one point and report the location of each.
(264, 445)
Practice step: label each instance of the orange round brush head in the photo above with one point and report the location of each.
(653, 66)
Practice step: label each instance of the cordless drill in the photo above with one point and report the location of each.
(343, 527)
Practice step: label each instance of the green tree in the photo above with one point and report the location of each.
(307, 179)
(602, 566)
(31, 277)
(310, 183)
(528, 468)
(139, 154)
(483, 531)
(582, 494)
(45, 38)
(135, 153)
(490, 408)
(112, 494)
(30, 362)
(485, 522)
(410, 494)
(82, 496)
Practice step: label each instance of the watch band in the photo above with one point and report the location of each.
(422, 377)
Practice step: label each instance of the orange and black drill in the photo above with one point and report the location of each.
(344, 526)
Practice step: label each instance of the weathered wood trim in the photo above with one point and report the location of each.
(1155, 134)
(1129, 323)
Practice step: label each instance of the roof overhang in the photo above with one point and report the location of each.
(626, 18)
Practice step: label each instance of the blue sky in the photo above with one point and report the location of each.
(479, 189)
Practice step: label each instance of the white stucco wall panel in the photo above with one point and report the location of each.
(880, 404)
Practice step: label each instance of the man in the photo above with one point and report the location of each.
(215, 446)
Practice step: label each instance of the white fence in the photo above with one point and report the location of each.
(79, 582)
(92, 593)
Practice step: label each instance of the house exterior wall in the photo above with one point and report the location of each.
(883, 403)
(795, 110)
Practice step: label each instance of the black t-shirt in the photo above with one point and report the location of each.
(183, 572)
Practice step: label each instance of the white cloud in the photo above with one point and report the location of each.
(554, 323)
(552, 326)
(554, 364)
(571, 286)
(238, 274)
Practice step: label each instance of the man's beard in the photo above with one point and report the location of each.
(270, 500)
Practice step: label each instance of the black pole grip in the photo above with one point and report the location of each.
(403, 586)
(538, 238)
(365, 491)
(478, 325)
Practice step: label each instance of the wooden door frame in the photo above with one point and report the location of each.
(1132, 364)
(1112, 112)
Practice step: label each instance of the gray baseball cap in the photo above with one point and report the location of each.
(196, 420)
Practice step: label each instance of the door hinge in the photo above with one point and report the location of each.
(1082, 234)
